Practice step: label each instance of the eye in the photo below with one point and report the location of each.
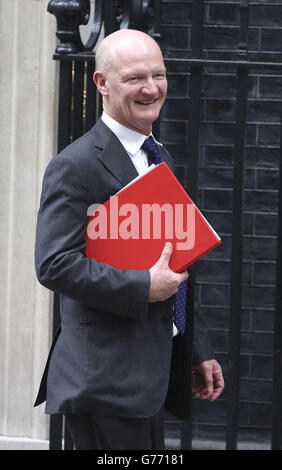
(160, 75)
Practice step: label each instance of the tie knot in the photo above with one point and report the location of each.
(152, 151)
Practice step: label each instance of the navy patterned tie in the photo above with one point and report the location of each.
(153, 153)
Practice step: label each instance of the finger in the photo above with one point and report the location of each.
(185, 272)
(218, 386)
(183, 276)
(207, 385)
(198, 383)
(199, 390)
(215, 395)
(197, 387)
(166, 254)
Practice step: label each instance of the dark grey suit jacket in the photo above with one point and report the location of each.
(113, 353)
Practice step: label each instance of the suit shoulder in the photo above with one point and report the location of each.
(78, 155)
(80, 149)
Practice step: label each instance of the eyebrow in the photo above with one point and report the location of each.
(137, 72)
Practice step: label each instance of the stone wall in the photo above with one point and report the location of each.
(28, 141)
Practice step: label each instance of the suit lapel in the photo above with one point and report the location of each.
(113, 155)
(165, 157)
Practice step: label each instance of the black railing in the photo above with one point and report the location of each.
(79, 108)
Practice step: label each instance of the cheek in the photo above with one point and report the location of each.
(164, 89)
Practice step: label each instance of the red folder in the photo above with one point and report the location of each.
(130, 229)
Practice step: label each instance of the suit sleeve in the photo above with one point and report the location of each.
(60, 262)
(202, 344)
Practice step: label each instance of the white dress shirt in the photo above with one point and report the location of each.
(132, 142)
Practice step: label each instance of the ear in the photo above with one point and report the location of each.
(101, 82)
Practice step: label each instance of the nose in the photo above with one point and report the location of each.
(150, 87)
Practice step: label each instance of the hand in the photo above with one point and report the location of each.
(164, 282)
(209, 381)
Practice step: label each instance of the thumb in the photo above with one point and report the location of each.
(166, 254)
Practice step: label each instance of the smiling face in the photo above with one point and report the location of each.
(135, 86)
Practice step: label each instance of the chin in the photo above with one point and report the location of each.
(149, 118)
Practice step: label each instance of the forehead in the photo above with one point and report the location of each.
(127, 60)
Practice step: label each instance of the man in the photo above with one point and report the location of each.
(115, 362)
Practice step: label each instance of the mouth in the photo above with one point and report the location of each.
(146, 103)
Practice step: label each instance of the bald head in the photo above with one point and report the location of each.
(122, 45)
(131, 77)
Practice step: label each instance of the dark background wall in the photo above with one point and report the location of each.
(220, 39)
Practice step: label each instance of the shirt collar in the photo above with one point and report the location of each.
(131, 140)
